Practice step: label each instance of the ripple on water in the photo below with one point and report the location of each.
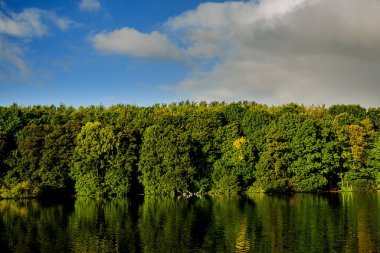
(347, 222)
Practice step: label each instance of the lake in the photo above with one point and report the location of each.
(341, 222)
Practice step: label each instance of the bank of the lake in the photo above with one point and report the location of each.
(187, 147)
(335, 222)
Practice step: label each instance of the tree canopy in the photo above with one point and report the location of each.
(187, 146)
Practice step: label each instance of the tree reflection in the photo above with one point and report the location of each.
(165, 224)
(258, 223)
(28, 226)
(102, 226)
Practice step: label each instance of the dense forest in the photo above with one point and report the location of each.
(168, 149)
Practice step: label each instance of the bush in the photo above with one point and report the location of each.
(24, 189)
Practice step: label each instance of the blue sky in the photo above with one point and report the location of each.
(92, 52)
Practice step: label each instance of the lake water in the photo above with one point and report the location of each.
(347, 222)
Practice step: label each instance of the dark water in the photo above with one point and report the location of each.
(259, 223)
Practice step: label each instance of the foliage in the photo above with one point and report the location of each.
(271, 169)
(373, 163)
(172, 148)
(233, 169)
(168, 169)
(23, 189)
(100, 166)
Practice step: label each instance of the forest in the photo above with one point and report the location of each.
(171, 149)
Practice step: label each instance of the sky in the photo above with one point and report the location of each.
(92, 52)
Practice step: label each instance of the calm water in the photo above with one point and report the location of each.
(258, 223)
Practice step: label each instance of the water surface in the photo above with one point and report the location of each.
(258, 223)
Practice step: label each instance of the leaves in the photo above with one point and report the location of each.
(188, 146)
(165, 162)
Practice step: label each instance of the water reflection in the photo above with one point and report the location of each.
(258, 223)
(102, 226)
(32, 226)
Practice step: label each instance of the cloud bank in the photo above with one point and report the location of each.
(272, 51)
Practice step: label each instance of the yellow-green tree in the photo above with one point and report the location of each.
(98, 168)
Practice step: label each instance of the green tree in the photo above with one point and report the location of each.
(232, 170)
(23, 178)
(165, 161)
(58, 148)
(97, 168)
(353, 140)
(201, 124)
(10, 123)
(10, 120)
(373, 162)
(272, 167)
(234, 113)
(254, 123)
(314, 158)
(356, 111)
(374, 115)
(123, 165)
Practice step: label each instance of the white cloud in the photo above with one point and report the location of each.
(63, 23)
(270, 51)
(215, 15)
(89, 5)
(31, 22)
(12, 61)
(131, 42)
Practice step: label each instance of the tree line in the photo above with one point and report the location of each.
(168, 149)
